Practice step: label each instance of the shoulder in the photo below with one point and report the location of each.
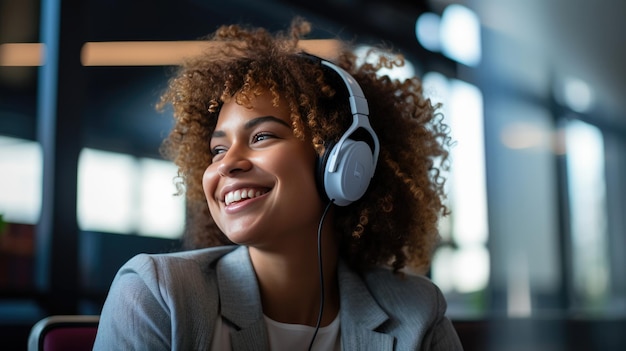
(179, 269)
(183, 282)
(153, 292)
(202, 259)
(416, 309)
(409, 307)
(406, 295)
(407, 283)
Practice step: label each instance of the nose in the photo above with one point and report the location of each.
(235, 161)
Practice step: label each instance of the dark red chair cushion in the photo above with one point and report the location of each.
(77, 338)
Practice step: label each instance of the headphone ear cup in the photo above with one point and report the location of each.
(320, 169)
(354, 171)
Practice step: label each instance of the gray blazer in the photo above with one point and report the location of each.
(171, 302)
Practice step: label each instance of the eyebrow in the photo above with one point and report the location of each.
(252, 123)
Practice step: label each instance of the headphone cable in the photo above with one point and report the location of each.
(319, 261)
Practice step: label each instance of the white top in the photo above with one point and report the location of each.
(286, 337)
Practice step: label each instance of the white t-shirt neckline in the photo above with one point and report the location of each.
(285, 336)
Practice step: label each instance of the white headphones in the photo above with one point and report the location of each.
(346, 168)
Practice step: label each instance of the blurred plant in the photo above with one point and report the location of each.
(3, 224)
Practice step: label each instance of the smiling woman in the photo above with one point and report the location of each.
(250, 146)
(310, 186)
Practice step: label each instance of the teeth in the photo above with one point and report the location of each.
(240, 194)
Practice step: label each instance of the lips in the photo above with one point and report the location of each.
(243, 194)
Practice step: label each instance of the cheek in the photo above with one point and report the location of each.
(209, 184)
(302, 171)
(210, 180)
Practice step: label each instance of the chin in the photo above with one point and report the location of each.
(241, 237)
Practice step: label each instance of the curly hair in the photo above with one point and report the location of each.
(395, 222)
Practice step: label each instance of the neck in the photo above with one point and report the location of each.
(289, 281)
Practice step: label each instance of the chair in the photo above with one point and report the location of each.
(66, 333)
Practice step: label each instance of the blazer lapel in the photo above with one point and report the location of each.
(240, 305)
(360, 315)
(240, 302)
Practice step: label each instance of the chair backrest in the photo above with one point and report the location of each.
(67, 333)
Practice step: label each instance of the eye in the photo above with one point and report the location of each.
(218, 152)
(262, 136)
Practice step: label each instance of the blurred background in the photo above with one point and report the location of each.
(534, 253)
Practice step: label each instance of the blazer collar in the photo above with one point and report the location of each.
(240, 305)
(361, 315)
(240, 301)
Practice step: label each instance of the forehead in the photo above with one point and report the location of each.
(235, 111)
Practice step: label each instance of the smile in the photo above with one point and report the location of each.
(242, 194)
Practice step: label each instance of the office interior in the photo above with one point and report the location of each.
(533, 256)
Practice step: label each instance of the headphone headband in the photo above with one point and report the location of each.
(360, 112)
(358, 103)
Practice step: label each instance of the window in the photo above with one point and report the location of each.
(461, 265)
(20, 180)
(121, 194)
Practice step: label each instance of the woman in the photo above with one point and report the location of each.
(298, 249)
